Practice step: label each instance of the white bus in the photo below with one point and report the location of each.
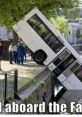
(50, 48)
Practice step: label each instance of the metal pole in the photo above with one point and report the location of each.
(15, 82)
(5, 91)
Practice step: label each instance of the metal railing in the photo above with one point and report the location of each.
(8, 84)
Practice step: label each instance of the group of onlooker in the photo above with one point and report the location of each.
(17, 53)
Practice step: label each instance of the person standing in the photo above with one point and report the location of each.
(25, 51)
(11, 53)
(15, 53)
(1, 52)
(20, 53)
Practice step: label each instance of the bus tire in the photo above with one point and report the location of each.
(39, 56)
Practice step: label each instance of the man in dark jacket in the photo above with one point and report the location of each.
(20, 53)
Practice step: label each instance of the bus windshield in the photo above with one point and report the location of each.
(45, 33)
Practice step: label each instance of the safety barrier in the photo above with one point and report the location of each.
(8, 84)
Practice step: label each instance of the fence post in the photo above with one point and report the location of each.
(5, 90)
(15, 83)
(15, 80)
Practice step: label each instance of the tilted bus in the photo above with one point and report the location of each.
(49, 47)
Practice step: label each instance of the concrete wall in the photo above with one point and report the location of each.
(42, 94)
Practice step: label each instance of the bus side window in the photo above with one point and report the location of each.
(78, 73)
(64, 65)
(75, 66)
(45, 33)
(61, 57)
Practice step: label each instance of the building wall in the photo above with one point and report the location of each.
(74, 25)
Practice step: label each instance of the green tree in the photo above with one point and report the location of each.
(72, 13)
(13, 10)
(61, 24)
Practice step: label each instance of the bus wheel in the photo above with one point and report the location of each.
(39, 56)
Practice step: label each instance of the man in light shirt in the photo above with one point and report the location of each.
(11, 53)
